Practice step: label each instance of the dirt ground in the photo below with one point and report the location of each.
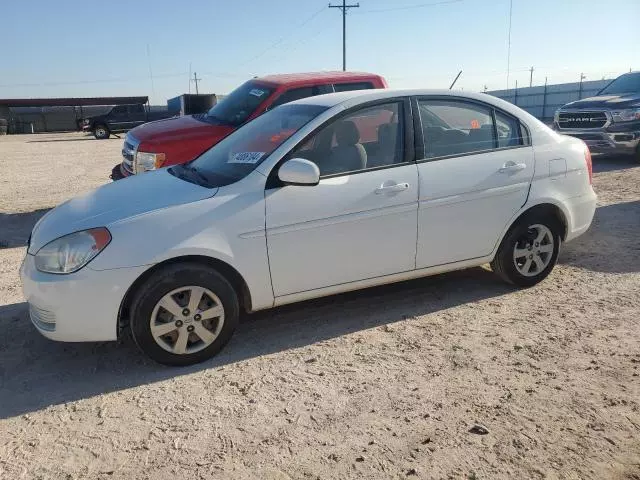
(383, 383)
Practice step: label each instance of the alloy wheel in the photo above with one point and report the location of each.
(187, 320)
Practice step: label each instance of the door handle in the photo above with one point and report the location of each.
(510, 166)
(395, 188)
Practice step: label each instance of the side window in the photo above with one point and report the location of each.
(367, 138)
(345, 87)
(453, 127)
(296, 94)
(508, 129)
(119, 110)
(136, 108)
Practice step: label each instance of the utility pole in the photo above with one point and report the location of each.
(582, 77)
(196, 80)
(344, 7)
(531, 78)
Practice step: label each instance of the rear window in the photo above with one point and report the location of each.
(346, 87)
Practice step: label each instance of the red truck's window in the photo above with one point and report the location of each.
(346, 87)
(297, 94)
(240, 104)
(239, 153)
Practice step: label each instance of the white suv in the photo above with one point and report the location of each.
(320, 196)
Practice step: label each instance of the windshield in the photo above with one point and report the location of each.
(238, 154)
(236, 107)
(629, 83)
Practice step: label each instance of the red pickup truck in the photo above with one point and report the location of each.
(181, 139)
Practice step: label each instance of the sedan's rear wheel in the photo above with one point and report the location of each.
(184, 314)
(529, 251)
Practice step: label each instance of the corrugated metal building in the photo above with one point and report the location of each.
(543, 101)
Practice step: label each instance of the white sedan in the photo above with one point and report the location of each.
(323, 195)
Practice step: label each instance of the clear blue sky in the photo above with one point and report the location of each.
(55, 48)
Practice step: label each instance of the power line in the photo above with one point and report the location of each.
(282, 39)
(509, 41)
(408, 7)
(344, 8)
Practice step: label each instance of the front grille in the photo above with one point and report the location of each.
(567, 120)
(41, 318)
(128, 153)
(587, 136)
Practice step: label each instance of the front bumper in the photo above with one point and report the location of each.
(601, 142)
(79, 307)
(118, 172)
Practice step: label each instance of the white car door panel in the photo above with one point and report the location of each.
(344, 229)
(466, 201)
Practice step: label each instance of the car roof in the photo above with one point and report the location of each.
(356, 97)
(361, 96)
(314, 77)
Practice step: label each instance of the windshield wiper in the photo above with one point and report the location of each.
(197, 173)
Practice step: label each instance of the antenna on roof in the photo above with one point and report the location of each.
(455, 79)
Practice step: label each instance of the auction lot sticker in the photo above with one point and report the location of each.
(246, 157)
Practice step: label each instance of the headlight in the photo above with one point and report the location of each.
(148, 161)
(70, 253)
(627, 115)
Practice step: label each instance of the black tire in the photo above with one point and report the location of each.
(173, 277)
(636, 156)
(101, 132)
(504, 264)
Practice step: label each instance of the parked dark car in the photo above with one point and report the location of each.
(608, 123)
(121, 118)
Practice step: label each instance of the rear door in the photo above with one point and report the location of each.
(475, 168)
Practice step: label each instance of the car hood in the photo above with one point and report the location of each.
(180, 128)
(608, 102)
(116, 201)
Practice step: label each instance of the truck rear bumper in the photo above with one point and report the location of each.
(605, 143)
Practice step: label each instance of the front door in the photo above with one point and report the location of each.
(137, 115)
(359, 222)
(474, 177)
(119, 119)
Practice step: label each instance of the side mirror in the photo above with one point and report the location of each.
(299, 171)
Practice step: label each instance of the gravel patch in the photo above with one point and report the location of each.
(452, 376)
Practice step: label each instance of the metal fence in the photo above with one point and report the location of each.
(543, 101)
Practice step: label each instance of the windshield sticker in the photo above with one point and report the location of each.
(256, 92)
(246, 157)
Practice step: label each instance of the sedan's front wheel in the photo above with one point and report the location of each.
(529, 251)
(184, 314)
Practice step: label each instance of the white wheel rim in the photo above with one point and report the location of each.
(533, 252)
(101, 132)
(187, 320)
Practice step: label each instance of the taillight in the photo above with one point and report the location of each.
(587, 158)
